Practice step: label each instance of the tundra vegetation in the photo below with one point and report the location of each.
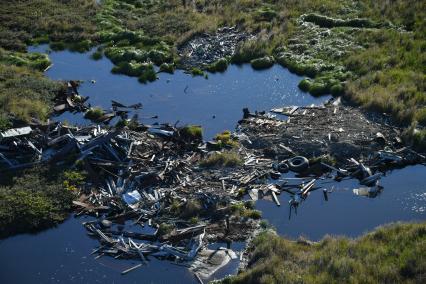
(370, 52)
(373, 53)
(389, 254)
(37, 199)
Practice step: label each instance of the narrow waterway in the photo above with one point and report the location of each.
(63, 254)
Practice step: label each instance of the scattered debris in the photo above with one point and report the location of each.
(203, 49)
(151, 176)
(209, 261)
(70, 100)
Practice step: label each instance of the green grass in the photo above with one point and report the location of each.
(219, 66)
(262, 63)
(327, 159)
(36, 61)
(192, 132)
(224, 139)
(167, 68)
(148, 75)
(197, 72)
(222, 159)
(389, 254)
(94, 113)
(34, 200)
(41, 21)
(97, 55)
(245, 209)
(25, 94)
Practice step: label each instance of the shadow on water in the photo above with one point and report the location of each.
(191, 100)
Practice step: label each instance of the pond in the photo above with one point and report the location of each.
(63, 254)
(215, 103)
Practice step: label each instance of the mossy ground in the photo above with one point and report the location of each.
(24, 92)
(389, 254)
(36, 199)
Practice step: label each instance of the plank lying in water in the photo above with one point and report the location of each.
(131, 269)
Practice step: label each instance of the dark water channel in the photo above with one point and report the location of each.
(62, 254)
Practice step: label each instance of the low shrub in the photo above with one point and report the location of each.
(191, 208)
(192, 132)
(167, 68)
(222, 159)
(219, 66)
(197, 72)
(94, 113)
(164, 229)
(33, 201)
(97, 55)
(225, 139)
(245, 209)
(262, 63)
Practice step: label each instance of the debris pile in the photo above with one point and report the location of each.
(151, 195)
(341, 142)
(148, 179)
(334, 129)
(203, 49)
(70, 100)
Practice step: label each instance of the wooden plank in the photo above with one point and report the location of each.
(274, 195)
(198, 278)
(131, 269)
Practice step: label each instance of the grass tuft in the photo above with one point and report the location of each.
(222, 159)
(94, 113)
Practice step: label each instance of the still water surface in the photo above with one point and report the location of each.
(215, 103)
